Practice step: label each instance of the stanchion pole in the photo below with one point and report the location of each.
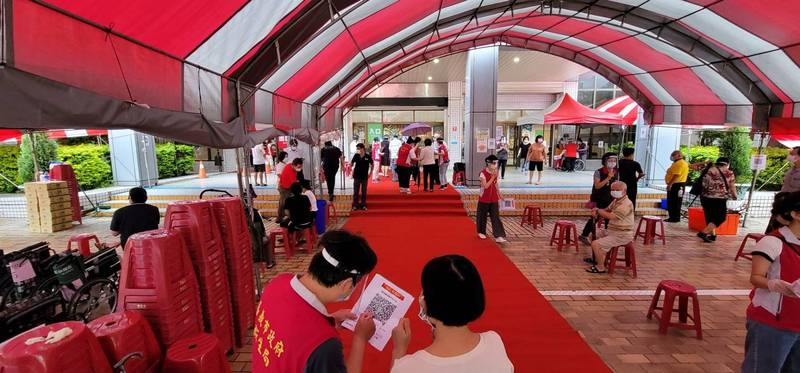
(753, 182)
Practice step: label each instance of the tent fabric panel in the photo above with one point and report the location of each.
(773, 20)
(59, 105)
(176, 26)
(263, 107)
(55, 46)
(202, 92)
(241, 33)
(686, 87)
(325, 64)
(286, 113)
(785, 130)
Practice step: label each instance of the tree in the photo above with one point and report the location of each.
(737, 146)
(46, 151)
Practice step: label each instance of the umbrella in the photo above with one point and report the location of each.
(416, 129)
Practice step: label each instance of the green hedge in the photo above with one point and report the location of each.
(91, 162)
(174, 160)
(699, 154)
(8, 167)
(776, 158)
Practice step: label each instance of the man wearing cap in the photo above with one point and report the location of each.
(293, 330)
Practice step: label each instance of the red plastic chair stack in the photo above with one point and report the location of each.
(196, 222)
(123, 333)
(741, 254)
(78, 352)
(630, 259)
(565, 234)
(459, 179)
(200, 353)
(83, 241)
(676, 289)
(158, 280)
(532, 215)
(649, 233)
(239, 257)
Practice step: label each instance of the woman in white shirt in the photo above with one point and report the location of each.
(427, 158)
(282, 155)
(452, 297)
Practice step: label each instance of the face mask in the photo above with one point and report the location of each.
(346, 297)
(294, 148)
(525, 141)
(540, 141)
(611, 164)
(617, 193)
(791, 158)
(422, 316)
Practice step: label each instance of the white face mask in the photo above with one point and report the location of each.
(540, 141)
(525, 141)
(424, 317)
(617, 194)
(611, 164)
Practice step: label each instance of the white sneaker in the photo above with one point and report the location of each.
(481, 236)
(500, 240)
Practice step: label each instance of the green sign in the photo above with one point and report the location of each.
(374, 130)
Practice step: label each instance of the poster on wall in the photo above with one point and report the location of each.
(374, 130)
(498, 132)
(482, 140)
(492, 144)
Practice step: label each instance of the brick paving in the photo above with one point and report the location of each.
(614, 325)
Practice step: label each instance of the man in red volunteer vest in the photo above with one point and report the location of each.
(773, 317)
(293, 330)
(404, 165)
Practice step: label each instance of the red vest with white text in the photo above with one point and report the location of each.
(402, 155)
(287, 329)
(788, 317)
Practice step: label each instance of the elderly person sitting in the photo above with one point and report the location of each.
(620, 227)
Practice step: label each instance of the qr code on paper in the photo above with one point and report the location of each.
(381, 308)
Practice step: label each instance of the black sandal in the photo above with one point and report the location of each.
(590, 260)
(594, 269)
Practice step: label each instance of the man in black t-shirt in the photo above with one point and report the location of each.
(297, 212)
(134, 218)
(362, 167)
(630, 172)
(331, 157)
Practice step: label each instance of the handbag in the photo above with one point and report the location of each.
(697, 184)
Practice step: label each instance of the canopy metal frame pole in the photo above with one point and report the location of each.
(753, 182)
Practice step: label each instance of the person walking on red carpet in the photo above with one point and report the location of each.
(452, 297)
(489, 201)
(293, 330)
(444, 162)
(403, 165)
(362, 167)
(376, 159)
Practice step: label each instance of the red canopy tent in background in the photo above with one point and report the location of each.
(785, 131)
(568, 111)
(12, 137)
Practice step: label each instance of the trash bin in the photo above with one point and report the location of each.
(322, 214)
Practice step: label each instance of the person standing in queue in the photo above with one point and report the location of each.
(630, 172)
(719, 185)
(489, 201)
(601, 192)
(294, 332)
(386, 156)
(137, 217)
(259, 155)
(444, 162)
(676, 181)
(332, 158)
(522, 154)
(427, 159)
(537, 153)
(375, 154)
(502, 157)
(289, 176)
(394, 147)
(362, 166)
(772, 343)
(404, 165)
(570, 155)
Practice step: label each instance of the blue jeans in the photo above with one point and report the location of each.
(770, 350)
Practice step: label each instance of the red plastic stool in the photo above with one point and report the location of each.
(196, 354)
(630, 259)
(288, 245)
(649, 233)
(83, 241)
(683, 291)
(331, 213)
(750, 236)
(310, 235)
(127, 337)
(562, 229)
(77, 352)
(459, 179)
(532, 215)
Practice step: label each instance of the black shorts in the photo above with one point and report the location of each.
(535, 166)
(259, 167)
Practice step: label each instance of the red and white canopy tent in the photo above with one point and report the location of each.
(623, 106)
(208, 71)
(13, 137)
(568, 111)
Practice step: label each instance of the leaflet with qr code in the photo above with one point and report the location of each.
(388, 304)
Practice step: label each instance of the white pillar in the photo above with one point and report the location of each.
(480, 109)
(454, 120)
(229, 160)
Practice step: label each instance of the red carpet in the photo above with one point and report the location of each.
(407, 231)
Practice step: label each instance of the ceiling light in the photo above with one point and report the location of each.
(516, 59)
(430, 78)
(435, 60)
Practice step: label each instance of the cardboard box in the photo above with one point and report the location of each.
(46, 185)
